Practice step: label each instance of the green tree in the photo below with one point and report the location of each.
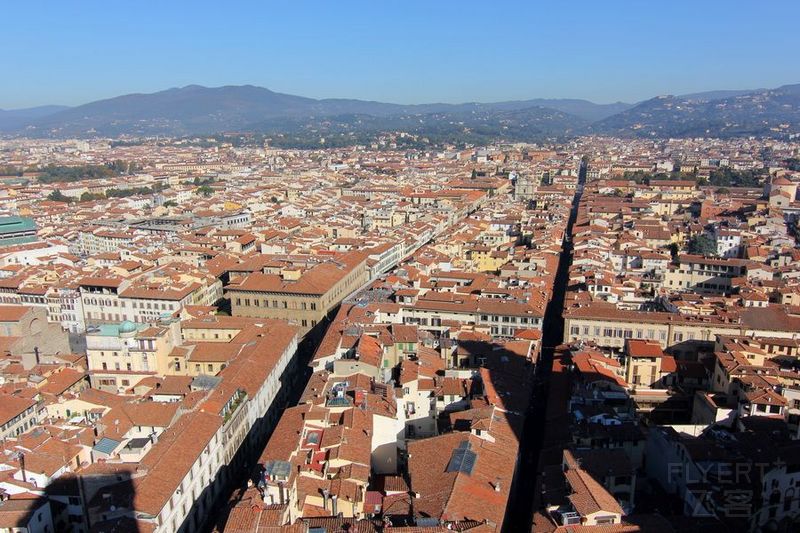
(67, 174)
(728, 177)
(673, 250)
(702, 245)
(58, 196)
(90, 197)
(170, 203)
(9, 170)
(205, 190)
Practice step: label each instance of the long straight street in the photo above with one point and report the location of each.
(520, 509)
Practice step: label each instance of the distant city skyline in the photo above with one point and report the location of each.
(407, 53)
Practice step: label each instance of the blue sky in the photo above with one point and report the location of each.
(60, 52)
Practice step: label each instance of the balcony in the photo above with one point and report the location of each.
(233, 407)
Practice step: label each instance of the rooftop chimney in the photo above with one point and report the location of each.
(325, 499)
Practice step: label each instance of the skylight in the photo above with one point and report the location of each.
(463, 459)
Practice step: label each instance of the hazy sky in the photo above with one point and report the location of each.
(60, 52)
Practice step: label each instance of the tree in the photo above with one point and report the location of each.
(793, 163)
(274, 199)
(205, 190)
(58, 196)
(673, 250)
(90, 197)
(9, 170)
(702, 245)
(170, 203)
(66, 174)
(728, 177)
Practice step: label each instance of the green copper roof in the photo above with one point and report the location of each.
(14, 224)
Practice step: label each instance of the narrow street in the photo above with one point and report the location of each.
(519, 512)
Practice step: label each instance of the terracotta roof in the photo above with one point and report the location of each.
(13, 313)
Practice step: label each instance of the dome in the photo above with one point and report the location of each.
(127, 327)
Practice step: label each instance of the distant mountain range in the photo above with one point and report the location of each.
(197, 110)
(760, 112)
(11, 119)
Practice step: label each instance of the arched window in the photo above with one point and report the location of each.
(35, 326)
